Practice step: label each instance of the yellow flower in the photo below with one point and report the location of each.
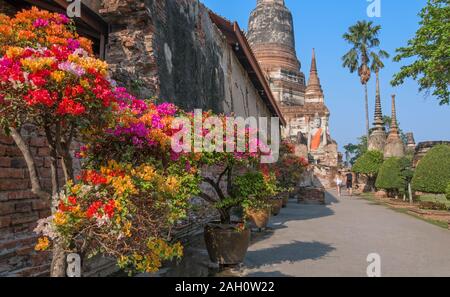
(84, 83)
(14, 51)
(90, 63)
(60, 218)
(36, 64)
(58, 76)
(43, 244)
(145, 172)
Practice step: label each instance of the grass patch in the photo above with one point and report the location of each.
(434, 198)
(371, 198)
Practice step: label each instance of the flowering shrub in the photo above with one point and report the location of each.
(49, 78)
(132, 192)
(255, 189)
(288, 169)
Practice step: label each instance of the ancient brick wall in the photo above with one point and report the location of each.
(172, 50)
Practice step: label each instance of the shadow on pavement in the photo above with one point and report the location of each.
(295, 251)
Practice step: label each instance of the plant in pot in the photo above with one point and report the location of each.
(227, 239)
(255, 190)
(288, 171)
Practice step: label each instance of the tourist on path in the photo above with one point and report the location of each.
(349, 183)
(339, 182)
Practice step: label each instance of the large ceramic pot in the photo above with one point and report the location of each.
(258, 218)
(277, 204)
(226, 244)
(285, 198)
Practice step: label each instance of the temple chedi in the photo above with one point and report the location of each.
(377, 138)
(394, 144)
(271, 36)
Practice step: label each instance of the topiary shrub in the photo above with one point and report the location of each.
(433, 171)
(369, 164)
(447, 192)
(394, 176)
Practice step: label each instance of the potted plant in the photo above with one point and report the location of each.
(288, 171)
(255, 189)
(227, 239)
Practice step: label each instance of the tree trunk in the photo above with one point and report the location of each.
(367, 112)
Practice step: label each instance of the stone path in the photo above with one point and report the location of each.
(335, 240)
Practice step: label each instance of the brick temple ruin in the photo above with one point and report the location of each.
(271, 36)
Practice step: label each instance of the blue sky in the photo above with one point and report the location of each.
(320, 24)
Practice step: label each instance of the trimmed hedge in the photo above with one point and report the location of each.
(390, 175)
(447, 193)
(369, 163)
(433, 172)
(394, 175)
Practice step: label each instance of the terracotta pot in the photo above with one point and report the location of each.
(225, 244)
(285, 198)
(259, 218)
(285, 201)
(277, 204)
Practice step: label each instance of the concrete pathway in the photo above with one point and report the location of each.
(335, 240)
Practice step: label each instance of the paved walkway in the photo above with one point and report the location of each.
(335, 240)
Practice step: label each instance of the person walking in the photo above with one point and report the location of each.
(349, 183)
(339, 182)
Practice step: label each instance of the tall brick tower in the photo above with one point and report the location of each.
(271, 36)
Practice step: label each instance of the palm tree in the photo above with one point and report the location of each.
(363, 37)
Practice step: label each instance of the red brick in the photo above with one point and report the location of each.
(40, 205)
(18, 195)
(23, 219)
(5, 162)
(38, 141)
(18, 162)
(43, 151)
(6, 208)
(45, 213)
(13, 151)
(11, 184)
(12, 173)
(6, 140)
(5, 222)
(22, 207)
(24, 251)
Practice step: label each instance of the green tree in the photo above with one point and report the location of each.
(431, 49)
(369, 164)
(433, 171)
(354, 151)
(363, 37)
(394, 176)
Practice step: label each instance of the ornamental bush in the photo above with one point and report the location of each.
(369, 163)
(50, 79)
(132, 192)
(255, 189)
(394, 176)
(447, 192)
(432, 174)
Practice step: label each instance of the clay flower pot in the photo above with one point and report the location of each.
(277, 204)
(258, 218)
(285, 198)
(226, 244)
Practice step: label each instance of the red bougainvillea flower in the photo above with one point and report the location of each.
(92, 176)
(93, 209)
(109, 208)
(40, 97)
(68, 106)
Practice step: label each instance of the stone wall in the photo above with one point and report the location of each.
(172, 50)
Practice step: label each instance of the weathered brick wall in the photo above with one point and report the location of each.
(20, 208)
(7, 8)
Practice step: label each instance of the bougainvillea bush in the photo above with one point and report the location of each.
(132, 192)
(50, 79)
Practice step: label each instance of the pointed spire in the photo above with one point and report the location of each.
(378, 118)
(394, 144)
(394, 124)
(314, 89)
